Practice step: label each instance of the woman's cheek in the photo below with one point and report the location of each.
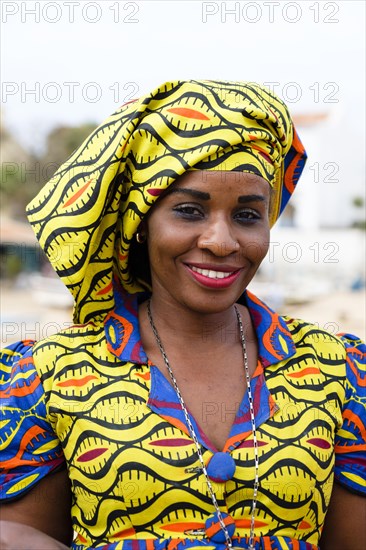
(257, 246)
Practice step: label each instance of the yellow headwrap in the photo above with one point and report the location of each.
(87, 215)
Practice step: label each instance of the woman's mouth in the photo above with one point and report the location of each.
(211, 273)
(213, 278)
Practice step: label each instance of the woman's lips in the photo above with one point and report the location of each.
(213, 278)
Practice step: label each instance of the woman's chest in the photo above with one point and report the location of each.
(212, 386)
(133, 464)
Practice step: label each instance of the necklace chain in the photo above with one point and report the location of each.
(194, 436)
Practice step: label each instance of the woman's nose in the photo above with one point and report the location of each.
(218, 238)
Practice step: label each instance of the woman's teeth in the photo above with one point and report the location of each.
(211, 274)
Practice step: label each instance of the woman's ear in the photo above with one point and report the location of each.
(141, 233)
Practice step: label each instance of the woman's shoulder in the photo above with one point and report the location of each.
(337, 354)
(71, 336)
(303, 331)
(67, 348)
(68, 339)
(303, 342)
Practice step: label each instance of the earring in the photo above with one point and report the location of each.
(140, 237)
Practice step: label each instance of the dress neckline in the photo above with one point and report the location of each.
(164, 401)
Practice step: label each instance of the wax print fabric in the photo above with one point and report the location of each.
(87, 215)
(90, 394)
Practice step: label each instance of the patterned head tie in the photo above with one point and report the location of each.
(86, 216)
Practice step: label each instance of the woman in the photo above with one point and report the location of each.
(188, 413)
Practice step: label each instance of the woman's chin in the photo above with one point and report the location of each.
(212, 305)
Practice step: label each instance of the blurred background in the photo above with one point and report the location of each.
(67, 65)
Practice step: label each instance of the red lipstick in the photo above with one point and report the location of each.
(211, 282)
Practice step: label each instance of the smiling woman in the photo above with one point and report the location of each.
(180, 411)
(199, 234)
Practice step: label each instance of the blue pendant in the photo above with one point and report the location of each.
(221, 467)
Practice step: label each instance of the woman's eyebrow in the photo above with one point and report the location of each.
(251, 198)
(193, 192)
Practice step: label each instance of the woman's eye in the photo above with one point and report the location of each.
(247, 216)
(188, 210)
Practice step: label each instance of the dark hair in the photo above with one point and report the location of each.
(138, 262)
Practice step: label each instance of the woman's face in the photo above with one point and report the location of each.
(206, 238)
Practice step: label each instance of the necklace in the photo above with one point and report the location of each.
(219, 514)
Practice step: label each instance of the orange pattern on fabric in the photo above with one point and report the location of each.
(76, 381)
(304, 372)
(188, 113)
(77, 194)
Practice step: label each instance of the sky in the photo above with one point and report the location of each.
(69, 62)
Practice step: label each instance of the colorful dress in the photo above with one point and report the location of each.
(90, 397)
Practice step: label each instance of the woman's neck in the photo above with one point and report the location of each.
(180, 323)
